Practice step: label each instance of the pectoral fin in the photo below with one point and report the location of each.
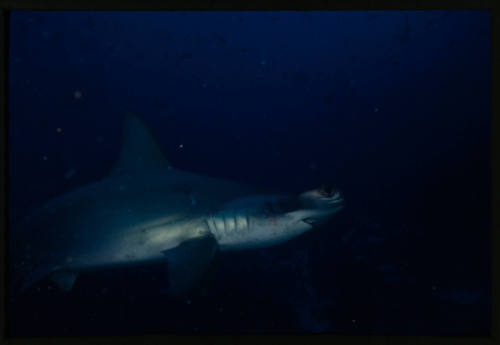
(188, 262)
(64, 279)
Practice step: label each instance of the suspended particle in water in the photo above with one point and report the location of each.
(375, 110)
(45, 158)
(181, 146)
(59, 130)
(77, 94)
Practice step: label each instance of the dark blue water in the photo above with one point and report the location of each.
(392, 107)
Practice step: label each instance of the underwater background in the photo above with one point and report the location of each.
(391, 107)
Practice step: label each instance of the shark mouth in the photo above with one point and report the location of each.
(316, 222)
(311, 221)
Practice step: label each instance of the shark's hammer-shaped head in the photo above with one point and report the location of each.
(265, 220)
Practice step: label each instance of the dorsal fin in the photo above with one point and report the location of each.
(140, 150)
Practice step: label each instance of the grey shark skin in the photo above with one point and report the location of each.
(146, 211)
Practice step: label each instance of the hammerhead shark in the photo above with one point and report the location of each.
(146, 211)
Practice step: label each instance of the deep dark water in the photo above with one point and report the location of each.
(390, 107)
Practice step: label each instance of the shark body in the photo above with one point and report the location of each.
(146, 211)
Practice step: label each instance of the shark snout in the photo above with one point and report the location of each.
(323, 197)
(320, 204)
(332, 194)
(327, 190)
